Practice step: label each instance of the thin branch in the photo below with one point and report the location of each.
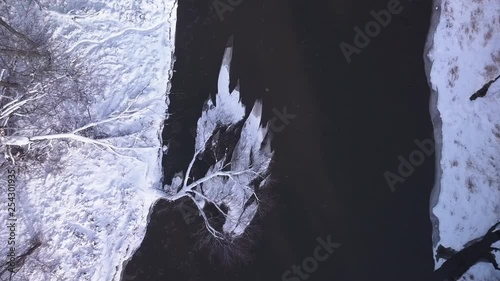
(190, 166)
(212, 230)
(210, 201)
(189, 187)
(23, 53)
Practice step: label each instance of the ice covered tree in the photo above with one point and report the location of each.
(237, 171)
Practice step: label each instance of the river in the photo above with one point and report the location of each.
(351, 123)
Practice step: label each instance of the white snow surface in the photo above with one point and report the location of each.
(91, 212)
(465, 56)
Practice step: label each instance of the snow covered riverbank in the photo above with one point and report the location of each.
(436, 121)
(464, 54)
(89, 210)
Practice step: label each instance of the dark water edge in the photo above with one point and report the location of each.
(436, 122)
(352, 122)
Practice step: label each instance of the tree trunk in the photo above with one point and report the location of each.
(16, 33)
(8, 85)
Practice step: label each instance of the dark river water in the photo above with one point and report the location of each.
(352, 122)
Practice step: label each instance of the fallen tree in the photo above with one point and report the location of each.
(459, 262)
(231, 183)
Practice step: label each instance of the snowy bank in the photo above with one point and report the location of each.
(90, 209)
(464, 54)
(436, 122)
